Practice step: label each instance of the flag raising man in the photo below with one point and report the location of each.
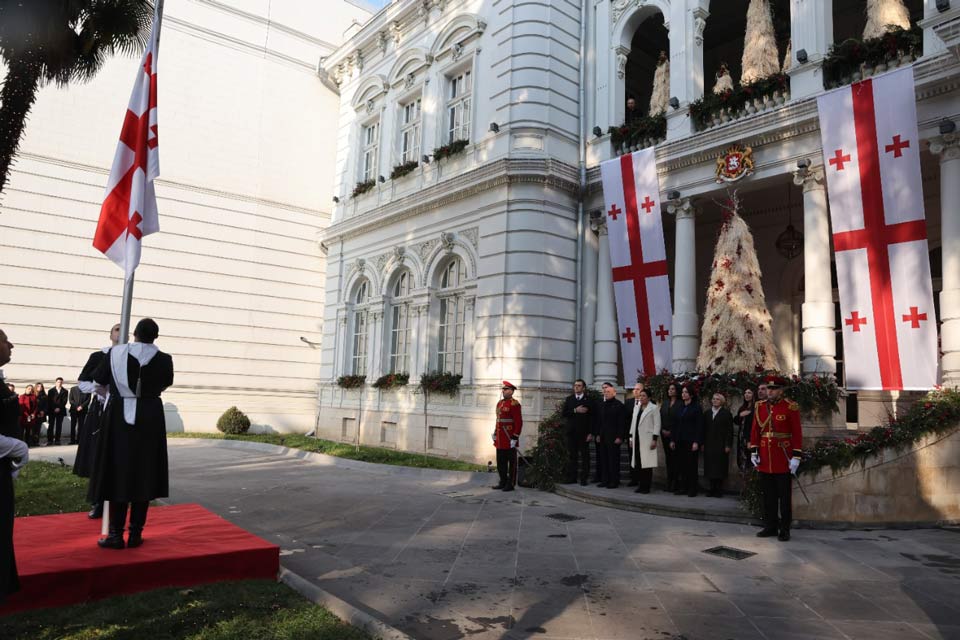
(129, 209)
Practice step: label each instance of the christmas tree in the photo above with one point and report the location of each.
(661, 86)
(882, 14)
(760, 56)
(736, 334)
(787, 62)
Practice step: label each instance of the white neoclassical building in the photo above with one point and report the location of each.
(493, 263)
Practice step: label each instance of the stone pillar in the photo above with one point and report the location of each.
(469, 338)
(605, 332)
(948, 148)
(588, 309)
(819, 339)
(686, 324)
(811, 29)
(342, 346)
(418, 343)
(375, 355)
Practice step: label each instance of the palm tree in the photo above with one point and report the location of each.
(61, 41)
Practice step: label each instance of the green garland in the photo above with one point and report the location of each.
(391, 381)
(451, 149)
(849, 57)
(351, 382)
(362, 187)
(704, 110)
(633, 133)
(818, 394)
(938, 413)
(403, 169)
(440, 382)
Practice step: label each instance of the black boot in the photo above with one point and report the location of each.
(138, 517)
(97, 512)
(118, 519)
(784, 535)
(767, 532)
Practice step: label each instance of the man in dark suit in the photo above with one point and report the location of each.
(611, 432)
(79, 403)
(580, 414)
(58, 410)
(13, 453)
(131, 462)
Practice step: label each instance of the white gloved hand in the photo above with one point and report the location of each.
(794, 465)
(514, 444)
(755, 459)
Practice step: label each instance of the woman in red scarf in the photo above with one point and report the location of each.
(30, 416)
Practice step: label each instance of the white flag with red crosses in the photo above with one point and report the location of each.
(871, 150)
(631, 192)
(129, 209)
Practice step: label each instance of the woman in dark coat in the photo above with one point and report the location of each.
(687, 441)
(718, 424)
(43, 406)
(744, 421)
(131, 462)
(667, 413)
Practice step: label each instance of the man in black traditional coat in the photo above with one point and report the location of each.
(131, 465)
(611, 432)
(14, 453)
(57, 411)
(90, 423)
(580, 414)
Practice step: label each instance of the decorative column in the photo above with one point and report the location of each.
(811, 30)
(341, 355)
(588, 308)
(605, 331)
(418, 343)
(819, 339)
(469, 337)
(375, 342)
(686, 324)
(948, 148)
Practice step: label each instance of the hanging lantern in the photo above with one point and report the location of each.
(790, 242)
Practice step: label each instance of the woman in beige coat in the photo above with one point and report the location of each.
(644, 433)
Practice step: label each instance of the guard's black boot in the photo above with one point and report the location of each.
(497, 486)
(118, 520)
(97, 512)
(138, 517)
(784, 535)
(767, 532)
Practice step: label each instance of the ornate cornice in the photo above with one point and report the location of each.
(504, 172)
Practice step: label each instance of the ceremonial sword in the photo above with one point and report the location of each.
(794, 474)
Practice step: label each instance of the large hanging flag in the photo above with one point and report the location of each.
(129, 209)
(632, 195)
(871, 150)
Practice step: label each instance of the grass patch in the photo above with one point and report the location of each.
(225, 611)
(342, 450)
(44, 488)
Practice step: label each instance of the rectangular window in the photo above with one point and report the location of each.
(359, 367)
(410, 131)
(371, 144)
(450, 351)
(458, 107)
(348, 429)
(437, 438)
(400, 340)
(388, 434)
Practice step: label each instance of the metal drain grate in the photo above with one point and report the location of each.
(729, 552)
(563, 517)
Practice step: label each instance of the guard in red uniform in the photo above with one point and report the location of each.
(506, 437)
(775, 449)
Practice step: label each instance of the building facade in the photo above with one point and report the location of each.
(492, 263)
(235, 277)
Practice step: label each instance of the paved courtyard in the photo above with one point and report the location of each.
(441, 556)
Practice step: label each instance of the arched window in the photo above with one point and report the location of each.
(400, 325)
(360, 330)
(452, 317)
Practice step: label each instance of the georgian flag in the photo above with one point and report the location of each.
(129, 209)
(871, 150)
(631, 193)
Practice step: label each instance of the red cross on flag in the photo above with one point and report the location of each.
(871, 154)
(129, 209)
(632, 195)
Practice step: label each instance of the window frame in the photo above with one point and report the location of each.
(458, 100)
(452, 294)
(369, 150)
(400, 336)
(413, 127)
(360, 330)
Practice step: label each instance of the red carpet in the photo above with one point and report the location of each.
(60, 563)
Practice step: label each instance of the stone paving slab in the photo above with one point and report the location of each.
(440, 559)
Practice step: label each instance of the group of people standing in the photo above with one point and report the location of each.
(39, 406)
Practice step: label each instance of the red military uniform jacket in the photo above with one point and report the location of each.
(776, 435)
(509, 418)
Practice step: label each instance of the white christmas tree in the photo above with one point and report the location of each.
(760, 56)
(884, 13)
(736, 334)
(724, 81)
(661, 86)
(787, 62)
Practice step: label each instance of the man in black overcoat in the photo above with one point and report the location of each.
(14, 452)
(580, 414)
(131, 463)
(57, 411)
(79, 403)
(611, 432)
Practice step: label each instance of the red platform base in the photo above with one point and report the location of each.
(60, 563)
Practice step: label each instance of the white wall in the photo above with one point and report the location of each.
(236, 275)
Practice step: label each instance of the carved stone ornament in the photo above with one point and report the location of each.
(424, 10)
(699, 24)
(371, 105)
(382, 40)
(481, 26)
(446, 239)
(621, 65)
(472, 235)
(426, 248)
(734, 163)
(409, 80)
(395, 30)
(617, 7)
(382, 262)
(457, 51)
(358, 60)
(399, 252)
(339, 73)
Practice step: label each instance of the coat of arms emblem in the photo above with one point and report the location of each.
(734, 163)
